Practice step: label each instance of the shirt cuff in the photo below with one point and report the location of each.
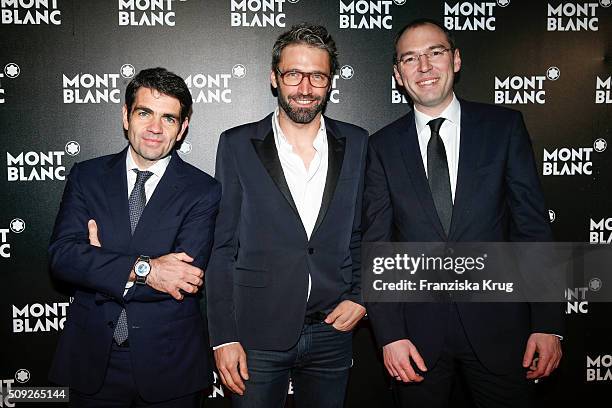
(224, 344)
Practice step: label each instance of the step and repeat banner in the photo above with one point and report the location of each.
(64, 66)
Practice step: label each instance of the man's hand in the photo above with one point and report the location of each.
(92, 228)
(172, 272)
(346, 315)
(548, 347)
(169, 273)
(397, 356)
(232, 365)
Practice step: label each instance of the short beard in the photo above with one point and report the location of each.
(300, 115)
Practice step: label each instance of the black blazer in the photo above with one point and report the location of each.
(257, 280)
(168, 338)
(498, 198)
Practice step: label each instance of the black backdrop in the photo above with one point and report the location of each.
(64, 66)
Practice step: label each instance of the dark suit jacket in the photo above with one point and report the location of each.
(257, 279)
(168, 338)
(498, 198)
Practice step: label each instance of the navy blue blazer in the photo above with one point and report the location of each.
(498, 198)
(168, 338)
(257, 279)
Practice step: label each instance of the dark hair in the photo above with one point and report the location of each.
(418, 23)
(309, 34)
(163, 81)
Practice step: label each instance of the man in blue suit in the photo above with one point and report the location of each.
(283, 283)
(453, 170)
(133, 233)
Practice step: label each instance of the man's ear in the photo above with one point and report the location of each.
(126, 120)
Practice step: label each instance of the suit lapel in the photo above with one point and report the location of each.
(265, 147)
(335, 152)
(411, 153)
(115, 185)
(165, 193)
(469, 150)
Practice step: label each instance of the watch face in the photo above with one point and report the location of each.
(142, 268)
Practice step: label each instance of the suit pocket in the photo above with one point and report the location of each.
(254, 278)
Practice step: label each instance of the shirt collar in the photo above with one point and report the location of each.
(319, 143)
(452, 113)
(158, 168)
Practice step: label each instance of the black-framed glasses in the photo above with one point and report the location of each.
(293, 78)
(433, 55)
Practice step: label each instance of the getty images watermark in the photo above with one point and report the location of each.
(483, 272)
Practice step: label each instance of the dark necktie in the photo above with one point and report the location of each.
(437, 173)
(136, 202)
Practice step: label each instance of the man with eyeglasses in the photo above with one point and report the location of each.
(456, 171)
(283, 283)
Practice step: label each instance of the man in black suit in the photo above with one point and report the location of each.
(133, 233)
(456, 171)
(283, 283)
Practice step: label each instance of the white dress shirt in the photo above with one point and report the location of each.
(450, 133)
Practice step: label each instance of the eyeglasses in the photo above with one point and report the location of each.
(293, 78)
(432, 56)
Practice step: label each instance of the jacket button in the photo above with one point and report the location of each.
(310, 251)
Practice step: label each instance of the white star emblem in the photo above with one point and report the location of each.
(347, 72)
(600, 145)
(595, 284)
(22, 375)
(553, 73)
(238, 71)
(605, 3)
(551, 215)
(12, 70)
(127, 70)
(186, 147)
(72, 148)
(503, 3)
(399, 2)
(17, 225)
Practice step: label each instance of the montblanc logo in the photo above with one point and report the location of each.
(39, 166)
(603, 89)
(30, 12)
(11, 71)
(523, 90)
(147, 13)
(39, 317)
(396, 93)
(346, 72)
(258, 13)
(577, 302)
(16, 226)
(468, 16)
(214, 88)
(598, 368)
(600, 231)
(571, 161)
(95, 88)
(367, 15)
(572, 16)
(5, 388)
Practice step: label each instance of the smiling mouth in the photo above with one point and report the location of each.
(151, 141)
(428, 82)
